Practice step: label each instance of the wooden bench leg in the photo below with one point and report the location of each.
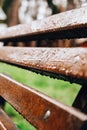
(5, 122)
(81, 99)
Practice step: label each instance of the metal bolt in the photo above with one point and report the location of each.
(47, 114)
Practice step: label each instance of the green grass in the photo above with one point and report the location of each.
(60, 90)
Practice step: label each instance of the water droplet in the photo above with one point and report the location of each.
(76, 59)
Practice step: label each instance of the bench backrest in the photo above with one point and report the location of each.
(68, 64)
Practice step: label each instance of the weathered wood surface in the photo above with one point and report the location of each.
(56, 62)
(70, 24)
(5, 122)
(40, 110)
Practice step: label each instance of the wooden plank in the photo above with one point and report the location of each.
(70, 24)
(40, 110)
(5, 122)
(62, 63)
(81, 99)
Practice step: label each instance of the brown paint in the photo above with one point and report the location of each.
(40, 110)
(69, 24)
(71, 62)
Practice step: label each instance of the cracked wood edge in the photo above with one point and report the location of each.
(40, 110)
(69, 24)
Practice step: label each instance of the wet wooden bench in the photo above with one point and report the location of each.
(68, 64)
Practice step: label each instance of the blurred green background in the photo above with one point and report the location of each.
(60, 90)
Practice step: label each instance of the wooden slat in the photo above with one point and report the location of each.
(5, 122)
(55, 62)
(40, 110)
(70, 24)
